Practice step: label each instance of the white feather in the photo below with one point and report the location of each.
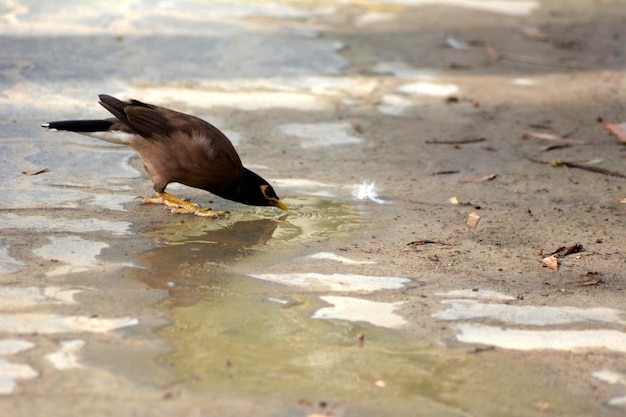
(111, 136)
(367, 191)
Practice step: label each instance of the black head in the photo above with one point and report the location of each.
(255, 191)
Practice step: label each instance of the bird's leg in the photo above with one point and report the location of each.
(180, 206)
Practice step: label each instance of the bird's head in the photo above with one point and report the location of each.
(255, 191)
(271, 198)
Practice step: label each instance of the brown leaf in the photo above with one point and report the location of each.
(472, 220)
(543, 406)
(425, 245)
(551, 262)
(617, 129)
(481, 179)
(35, 171)
(590, 278)
(568, 250)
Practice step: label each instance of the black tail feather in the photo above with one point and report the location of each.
(79, 125)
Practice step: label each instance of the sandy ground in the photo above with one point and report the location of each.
(175, 321)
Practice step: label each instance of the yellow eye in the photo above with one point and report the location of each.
(263, 190)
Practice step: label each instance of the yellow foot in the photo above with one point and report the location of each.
(180, 206)
(199, 212)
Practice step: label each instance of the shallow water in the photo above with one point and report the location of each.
(232, 334)
(109, 307)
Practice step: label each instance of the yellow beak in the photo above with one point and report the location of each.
(280, 204)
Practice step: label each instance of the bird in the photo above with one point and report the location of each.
(177, 147)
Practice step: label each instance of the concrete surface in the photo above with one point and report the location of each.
(407, 137)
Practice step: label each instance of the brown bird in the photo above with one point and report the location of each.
(177, 147)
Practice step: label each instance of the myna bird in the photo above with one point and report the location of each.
(177, 147)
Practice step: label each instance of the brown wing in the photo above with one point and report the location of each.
(190, 138)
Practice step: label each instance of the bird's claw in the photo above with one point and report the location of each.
(180, 206)
(199, 212)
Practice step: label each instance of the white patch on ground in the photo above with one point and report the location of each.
(503, 7)
(72, 252)
(311, 281)
(59, 224)
(56, 323)
(313, 84)
(611, 377)
(372, 17)
(619, 402)
(523, 82)
(66, 357)
(524, 315)
(14, 346)
(318, 135)
(22, 297)
(332, 257)
(527, 315)
(9, 372)
(354, 309)
(476, 294)
(394, 105)
(248, 101)
(429, 89)
(566, 340)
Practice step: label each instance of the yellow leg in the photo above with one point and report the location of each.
(180, 206)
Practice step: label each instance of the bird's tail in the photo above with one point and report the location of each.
(79, 126)
(99, 129)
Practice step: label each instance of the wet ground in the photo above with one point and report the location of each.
(411, 141)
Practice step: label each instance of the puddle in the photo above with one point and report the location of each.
(252, 339)
(309, 217)
(294, 335)
(235, 339)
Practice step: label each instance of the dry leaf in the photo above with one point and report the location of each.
(35, 171)
(456, 202)
(543, 406)
(590, 278)
(555, 138)
(568, 250)
(472, 220)
(481, 179)
(380, 384)
(533, 33)
(551, 262)
(622, 201)
(618, 130)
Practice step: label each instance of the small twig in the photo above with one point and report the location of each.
(555, 138)
(569, 174)
(494, 56)
(539, 61)
(454, 142)
(586, 167)
(560, 162)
